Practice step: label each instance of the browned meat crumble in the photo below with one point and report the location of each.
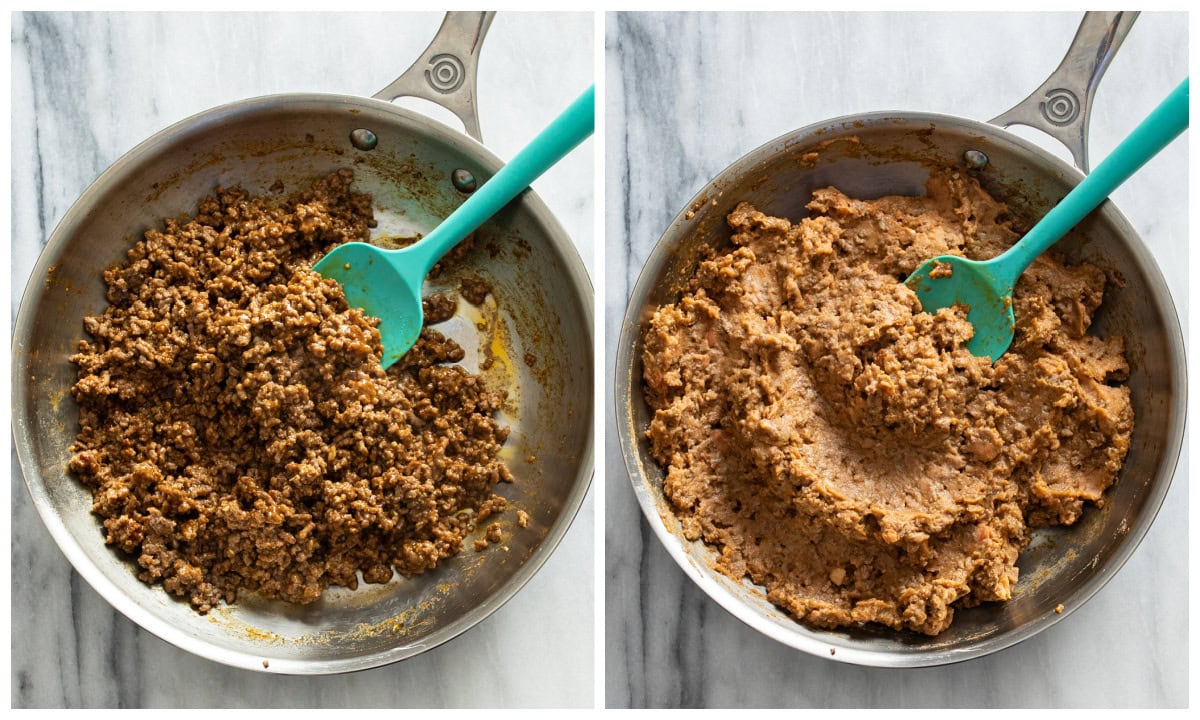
(237, 430)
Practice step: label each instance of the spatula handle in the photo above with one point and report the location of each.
(1157, 131)
(568, 130)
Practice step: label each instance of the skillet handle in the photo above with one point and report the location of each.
(445, 73)
(1062, 106)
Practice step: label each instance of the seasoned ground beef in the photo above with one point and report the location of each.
(474, 290)
(237, 430)
(841, 447)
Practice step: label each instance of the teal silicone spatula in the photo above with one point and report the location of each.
(387, 283)
(986, 287)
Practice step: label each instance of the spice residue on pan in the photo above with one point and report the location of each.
(842, 448)
(237, 430)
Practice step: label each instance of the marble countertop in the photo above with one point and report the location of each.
(689, 94)
(88, 87)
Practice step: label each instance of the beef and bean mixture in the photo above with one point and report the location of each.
(841, 447)
(237, 430)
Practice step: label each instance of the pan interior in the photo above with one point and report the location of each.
(882, 154)
(535, 333)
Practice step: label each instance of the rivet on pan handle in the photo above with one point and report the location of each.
(445, 73)
(1062, 106)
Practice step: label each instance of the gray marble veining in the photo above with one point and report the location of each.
(88, 87)
(687, 95)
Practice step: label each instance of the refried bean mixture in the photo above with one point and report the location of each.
(842, 448)
(237, 430)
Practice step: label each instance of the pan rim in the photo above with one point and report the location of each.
(798, 636)
(23, 434)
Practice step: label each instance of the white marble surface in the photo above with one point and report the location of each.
(87, 88)
(687, 95)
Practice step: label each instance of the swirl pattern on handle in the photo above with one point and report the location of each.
(1060, 107)
(445, 73)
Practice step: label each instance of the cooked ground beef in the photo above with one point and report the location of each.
(474, 290)
(841, 447)
(237, 430)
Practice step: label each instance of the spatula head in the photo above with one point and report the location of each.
(373, 282)
(949, 280)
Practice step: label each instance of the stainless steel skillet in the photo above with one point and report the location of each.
(891, 153)
(545, 302)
